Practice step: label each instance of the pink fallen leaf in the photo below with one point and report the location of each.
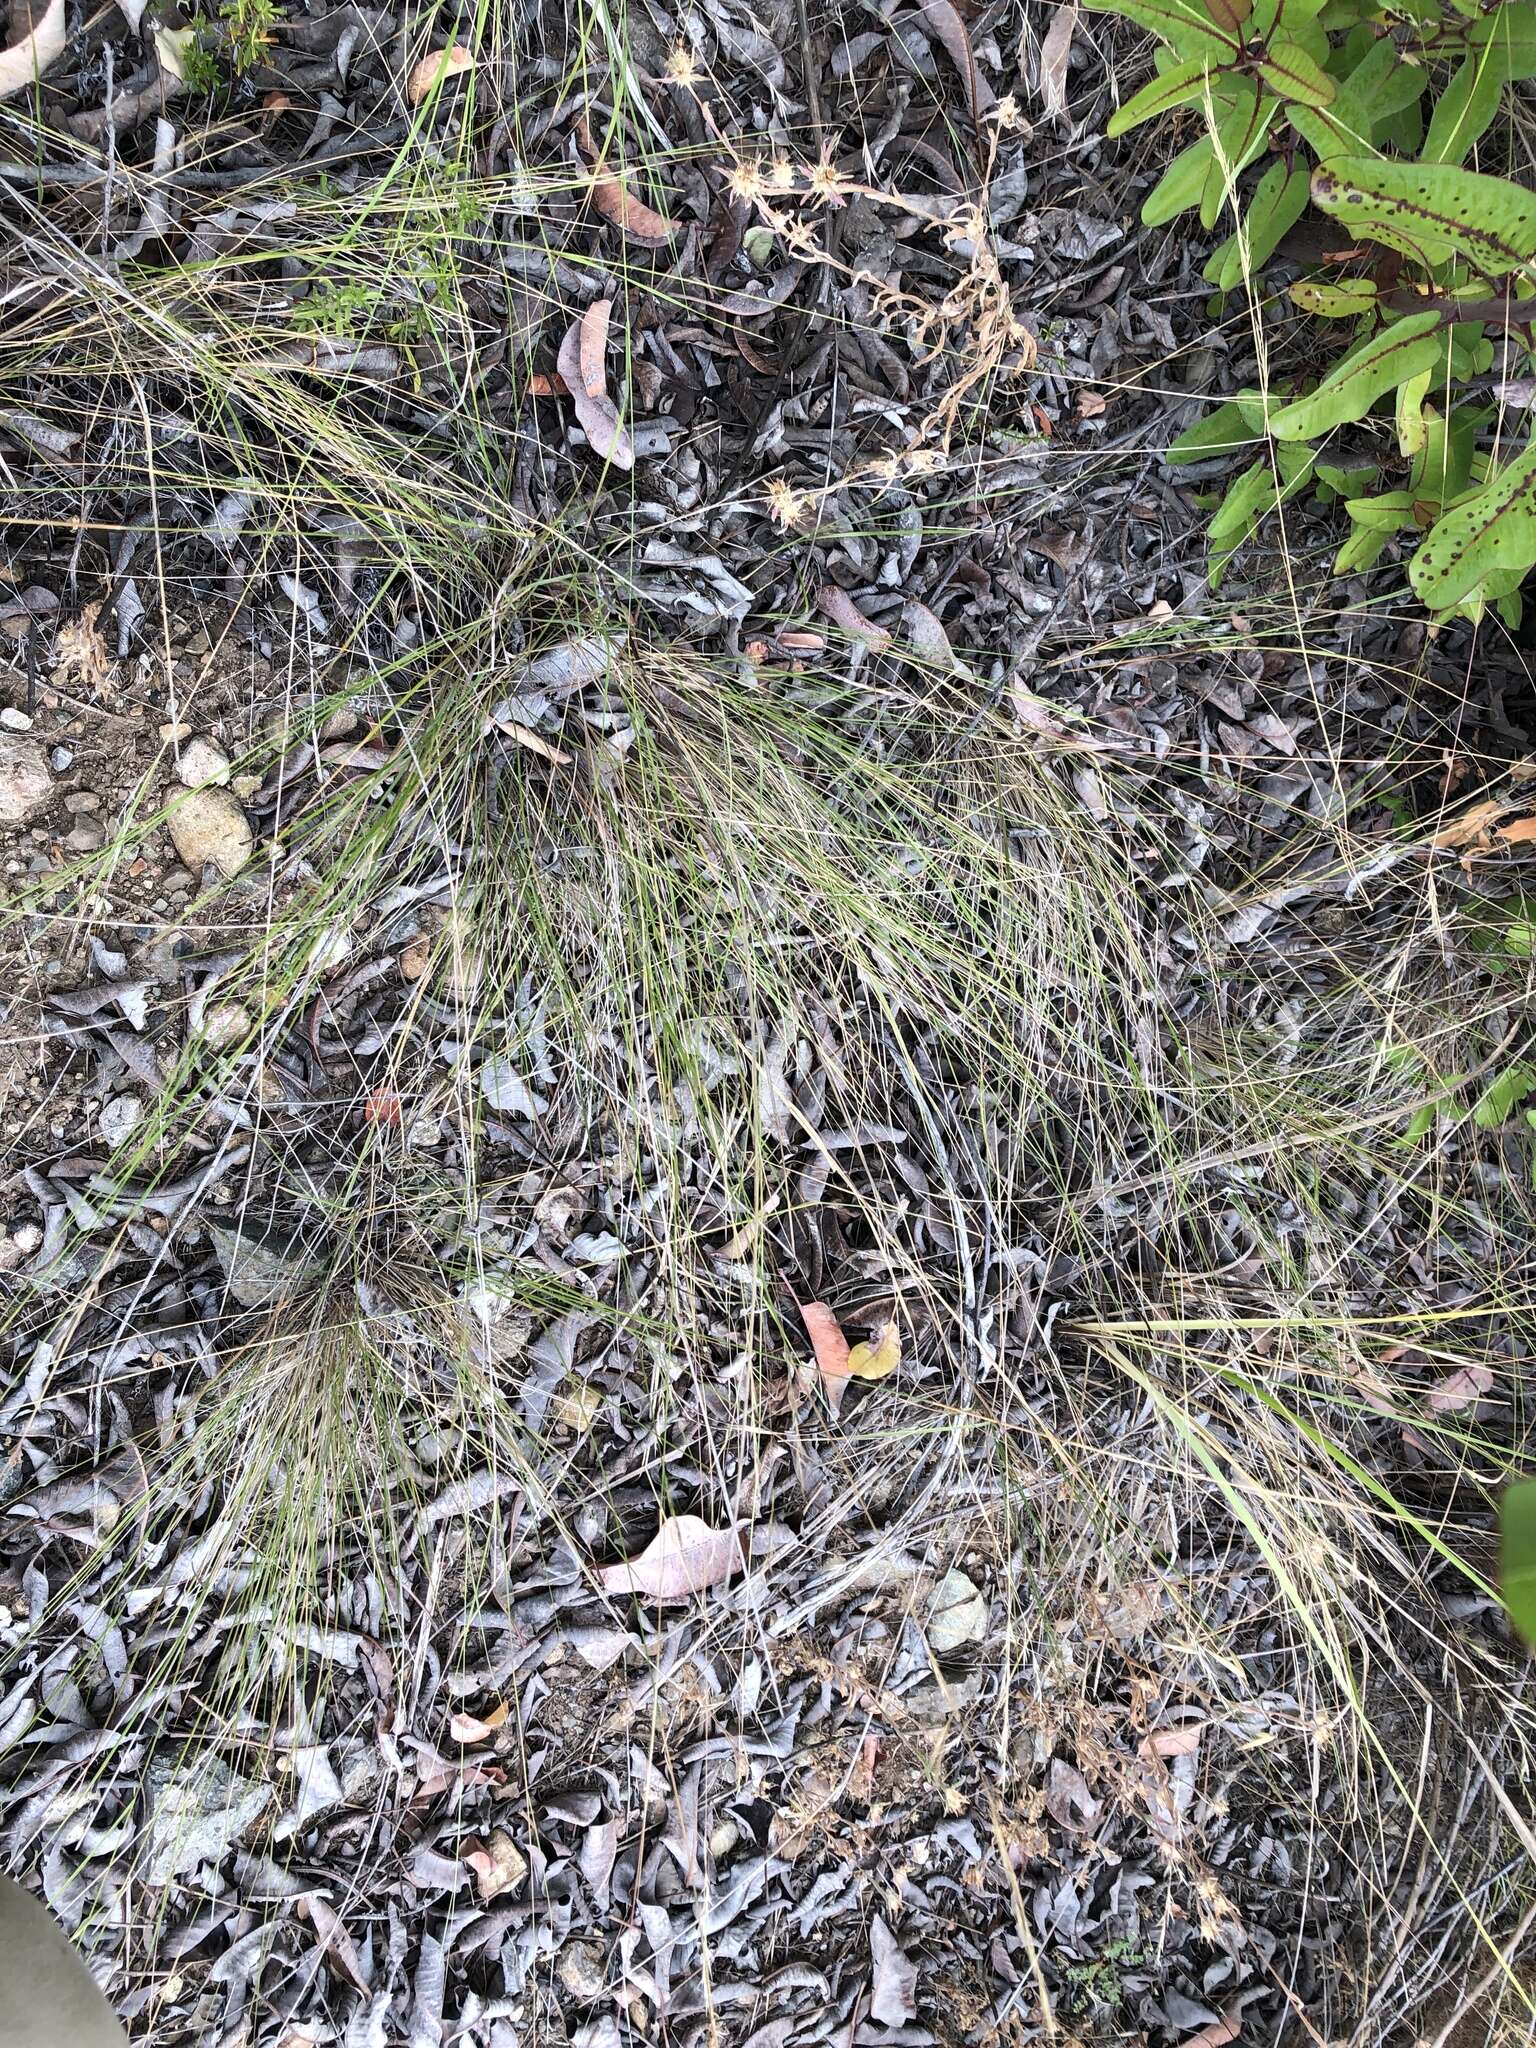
(1460, 1389)
(1217, 2034)
(840, 608)
(29, 57)
(1055, 51)
(1169, 1742)
(597, 413)
(684, 1557)
(594, 348)
(435, 66)
(831, 1349)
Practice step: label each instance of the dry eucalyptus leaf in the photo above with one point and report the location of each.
(684, 1557)
(598, 416)
(499, 1867)
(1217, 2034)
(29, 58)
(436, 65)
(594, 348)
(842, 611)
(942, 22)
(1460, 1389)
(477, 1727)
(893, 1989)
(618, 205)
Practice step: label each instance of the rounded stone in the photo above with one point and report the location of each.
(26, 781)
(208, 825)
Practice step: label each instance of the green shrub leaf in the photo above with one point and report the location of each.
(1175, 88)
(1493, 531)
(1278, 202)
(1509, 36)
(1189, 28)
(1517, 1556)
(1464, 111)
(1221, 432)
(1430, 211)
(1378, 364)
(1180, 186)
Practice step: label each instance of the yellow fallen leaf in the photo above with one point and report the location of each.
(878, 1360)
(437, 64)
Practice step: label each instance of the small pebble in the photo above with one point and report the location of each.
(62, 758)
(27, 1237)
(120, 1117)
(202, 765)
(175, 732)
(14, 720)
(581, 1971)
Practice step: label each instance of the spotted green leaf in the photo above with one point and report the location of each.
(1289, 71)
(1489, 535)
(1378, 364)
(1346, 300)
(1222, 431)
(1237, 139)
(1430, 211)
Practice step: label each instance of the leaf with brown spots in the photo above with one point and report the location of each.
(617, 204)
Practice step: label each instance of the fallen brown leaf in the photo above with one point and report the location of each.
(1217, 2034)
(1473, 826)
(435, 66)
(943, 23)
(684, 1557)
(475, 1727)
(831, 1349)
(1167, 1742)
(594, 348)
(30, 56)
(1519, 832)
(617, 204)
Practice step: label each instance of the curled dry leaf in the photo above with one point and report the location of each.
(30, 57)
(1460, 1389)
(878, 1360)
(596, 411)
(840, 608)
(618, 205)
(830, 1347)
(435, 66)
(476, 1727)
(684, 1557)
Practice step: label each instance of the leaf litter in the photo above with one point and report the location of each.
(962, 1749)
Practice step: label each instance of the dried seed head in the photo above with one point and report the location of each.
(682, 66)
(781, 176)
(745, 180)
(787, 506)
